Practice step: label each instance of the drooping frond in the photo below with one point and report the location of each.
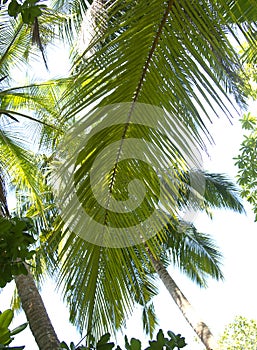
(30, 120)
(36, 107)
(157, 71)
(74, 13)
(172, 56)
(201, 190)
(222, 193)
(22, 42)
(13, 44)
(194, 253)
(102, 285)
(243, 14)
(166, 54)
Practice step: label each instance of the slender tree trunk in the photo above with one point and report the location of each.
(32, 303)
(33, 306)
(200, 328)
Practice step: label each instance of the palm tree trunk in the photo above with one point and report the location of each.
(200, 328)
(32, 303)
(33, 306)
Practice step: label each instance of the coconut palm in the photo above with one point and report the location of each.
(183, 53)
(86, 269)
(185, 82)
(172, 55)
(29, 118)
(195, 253)
(187, 245)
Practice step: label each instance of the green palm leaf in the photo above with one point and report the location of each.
(30, 120)
(194, 253)
(22, 42)
(102, 285)
(97, 280)
(221, 192)
(171, 55)
(201, 190)
(182, 71)
(19, 165)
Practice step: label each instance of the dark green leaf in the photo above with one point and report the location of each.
(19, 329)
(14, 8)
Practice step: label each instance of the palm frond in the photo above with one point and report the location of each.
(194, 253)
(19, 165)
(102, 286)
(13, 45)
(177, 67)
(222, 193)
(21, 42)
(201, 190)
(171, 59)
(171, 55)
(36, 107)
(73, 14)
(243, 13)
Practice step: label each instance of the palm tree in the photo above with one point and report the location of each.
(181, 53)
(39, 322)
(173, 56)
(26, 109)
(86, 269)
(19, 161)
(198, 325)
(173, 74)
(195, 253)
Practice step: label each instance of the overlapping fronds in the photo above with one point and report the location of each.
(21, 41)
(195, 253)
(13, 45)
(29, 115)
(30, 122)
(243, 14)
(74, 13)
(36, 107)
(102, 285)
(20, 165)
(174, 55)
(87, 268)
(171, 54)
(222, 193)
(34, 103)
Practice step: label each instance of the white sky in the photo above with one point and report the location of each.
(235, 234)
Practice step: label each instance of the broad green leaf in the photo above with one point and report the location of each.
(14, 8)
(5, 336)
(6, 318)
(19, 329)
(135, 344)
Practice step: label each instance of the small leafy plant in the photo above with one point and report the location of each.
(161, 343)
(16, 237)
(29, 10)
(6, 335)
